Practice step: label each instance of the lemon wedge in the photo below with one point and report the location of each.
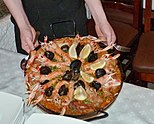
(80, 93)
(85, 51)
(97, 65)
(72, 50)
(88, 78)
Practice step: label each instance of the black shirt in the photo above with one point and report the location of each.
(42, 14)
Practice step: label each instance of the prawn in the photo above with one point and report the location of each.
(31, 59)
(59, 51)
(51, 75)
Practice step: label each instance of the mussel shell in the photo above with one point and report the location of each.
(79, 83)
(49, 55)
(102, 45)
(76, 64)
(23, 64)
(63, 90)
(45, 70)
(65, 48)
(100, 72)
(44, 82)
(112, 51)
(75, 74)
(38, 47)
(79, 48)
(96, 85)
(67, 76)
(48, 91)
(92, 56)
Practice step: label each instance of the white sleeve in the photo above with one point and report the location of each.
(88, 13)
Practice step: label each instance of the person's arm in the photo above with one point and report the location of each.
(27, 32)
(102, 26)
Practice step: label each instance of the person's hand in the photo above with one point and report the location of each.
(27, 36)
(105, 32)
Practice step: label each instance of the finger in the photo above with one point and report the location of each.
(103, 38)
(109, 39)
(36, 44)
(26, 47)
(113, 38)
(30, 44)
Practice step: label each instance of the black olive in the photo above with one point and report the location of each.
(102, 45)
(76, 64)
(49, 55)
(79, 83)
(23, 64)
(63, 90)
(65, 48)
(100, 72)
(96, 85)
(79, 48)
(48, 91)
(67, 76)
(44, 82)
(45, 70)
(92, 56)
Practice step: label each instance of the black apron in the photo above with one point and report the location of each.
(44, 15)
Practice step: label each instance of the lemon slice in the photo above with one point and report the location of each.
(80, 93)
(85, 51)
(72, 50)
(97, 65)
(86, 77)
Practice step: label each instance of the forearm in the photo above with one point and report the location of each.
(97, 10)
(16, 9)
(102, 26)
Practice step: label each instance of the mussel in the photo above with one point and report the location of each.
(79, 83)
(38, 47)
(48, 91)
(76, 64)
(65, 48)
(100, 72)
(75, 74)
(102, 45)
(63, 90)
(45, 70)
(79, 48)
(23, 64)
(67, 76)
(49, 55)
(44, 82)
(96, 85)
(92, 56)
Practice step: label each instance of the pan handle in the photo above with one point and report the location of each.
(64, 23)
(93, 116)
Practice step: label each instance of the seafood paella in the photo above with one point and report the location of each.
(72, 76)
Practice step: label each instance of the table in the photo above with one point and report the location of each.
(134, 105)
(7, 37)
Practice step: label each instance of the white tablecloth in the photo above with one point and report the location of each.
(7, 37)
(134, 105)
